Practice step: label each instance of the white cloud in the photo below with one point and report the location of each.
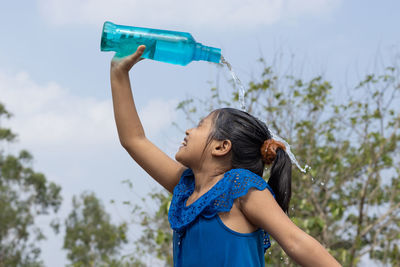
(216, 14)
(310, 7)
(48, 115)
(157, 115)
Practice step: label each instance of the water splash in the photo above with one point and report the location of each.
(289, 152)
(242, 90)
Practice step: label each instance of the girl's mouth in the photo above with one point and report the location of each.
(184, 142)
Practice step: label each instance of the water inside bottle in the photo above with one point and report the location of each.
(242, 92)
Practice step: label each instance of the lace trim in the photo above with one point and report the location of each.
(235, 183)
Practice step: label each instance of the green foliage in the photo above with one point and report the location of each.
(24, 195)
(350, 199)
(90, 238)
(156, 238)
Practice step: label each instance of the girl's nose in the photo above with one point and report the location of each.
(188, 131)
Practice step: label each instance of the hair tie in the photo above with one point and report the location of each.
(268, 150)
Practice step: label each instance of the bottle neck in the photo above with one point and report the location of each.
(207, 53)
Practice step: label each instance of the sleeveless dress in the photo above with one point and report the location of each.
(200, 238)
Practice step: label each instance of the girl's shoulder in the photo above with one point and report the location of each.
(240, 181)
(220, 198)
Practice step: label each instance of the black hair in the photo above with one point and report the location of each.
(247, 134)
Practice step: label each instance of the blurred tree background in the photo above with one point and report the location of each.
(350, 198)
(24, 196)
(90, 237)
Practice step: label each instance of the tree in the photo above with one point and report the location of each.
(156, 238)
(350, 198)
(90, 238)
(24, 195)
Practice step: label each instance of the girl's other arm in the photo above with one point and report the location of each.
(156, 163)
(263, 211)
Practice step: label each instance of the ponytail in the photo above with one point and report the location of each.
(280, 179)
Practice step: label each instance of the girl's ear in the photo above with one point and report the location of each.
(221, 148)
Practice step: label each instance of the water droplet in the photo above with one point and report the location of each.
(286, 261)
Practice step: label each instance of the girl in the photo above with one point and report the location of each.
(222, 210)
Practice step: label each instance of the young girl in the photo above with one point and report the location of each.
(222, 210)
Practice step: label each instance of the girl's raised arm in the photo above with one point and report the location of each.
(156, 163)
(297, 244)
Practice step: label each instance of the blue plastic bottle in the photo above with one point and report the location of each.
(167, 46)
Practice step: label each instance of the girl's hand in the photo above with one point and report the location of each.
(124, 64)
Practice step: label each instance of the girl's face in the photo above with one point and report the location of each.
(190, 153)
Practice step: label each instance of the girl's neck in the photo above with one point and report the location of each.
(206, 178)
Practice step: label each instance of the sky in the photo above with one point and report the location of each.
(55, 80)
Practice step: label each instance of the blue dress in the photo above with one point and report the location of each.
(200, 238)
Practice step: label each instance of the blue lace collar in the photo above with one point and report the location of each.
(220, 198)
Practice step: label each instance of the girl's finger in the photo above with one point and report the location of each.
(138, 53)
(127, 62)
(136, 57)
